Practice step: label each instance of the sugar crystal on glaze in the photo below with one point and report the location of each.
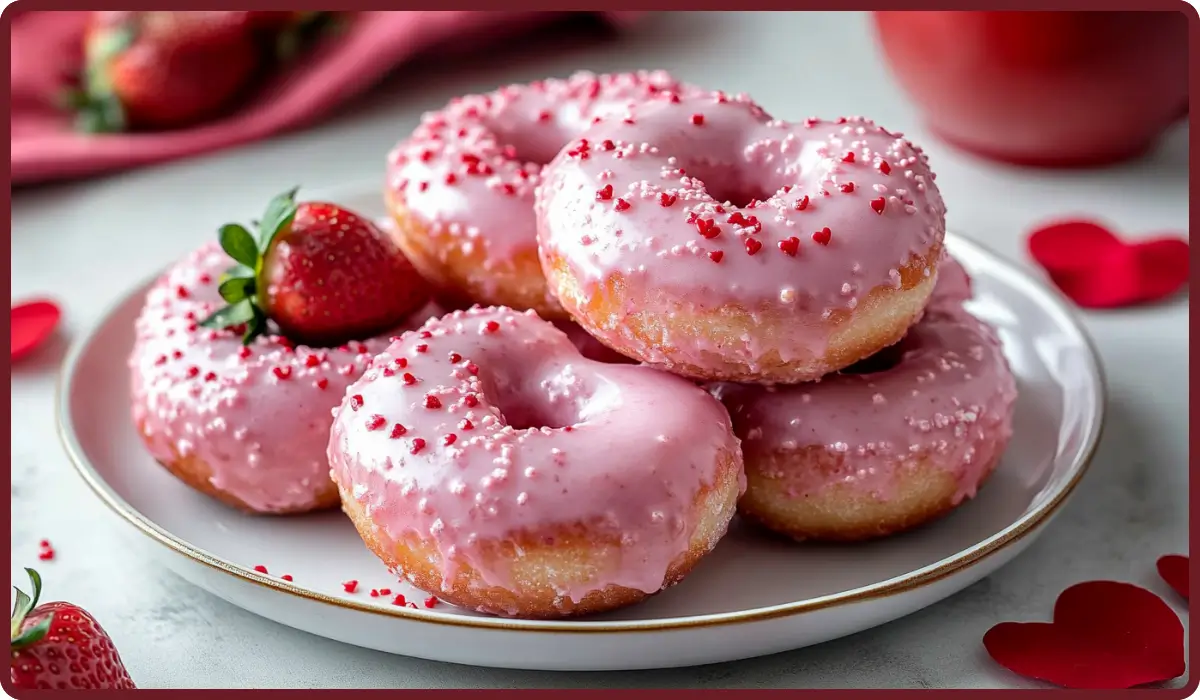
(748, 183)
(258, 416)
(537, 423)
(876, 419)
(468, 173)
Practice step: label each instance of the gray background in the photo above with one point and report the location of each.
(88, 243)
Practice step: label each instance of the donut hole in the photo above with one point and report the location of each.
(524, 403)
(538, 148)
(726, 182)
(525, 415)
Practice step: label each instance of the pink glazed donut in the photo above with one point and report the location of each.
(485, 460)
(888, 444)
(699, 235)
(460, 189)
(247, 425)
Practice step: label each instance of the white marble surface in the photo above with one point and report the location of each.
(88, 243)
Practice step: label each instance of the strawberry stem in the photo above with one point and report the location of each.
(240, 285)
(21, 608)
(97, 107)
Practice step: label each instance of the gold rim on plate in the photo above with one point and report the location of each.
(937, 571)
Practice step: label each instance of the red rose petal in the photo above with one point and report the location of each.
(1071, 246)
(1174, 570)
(32, 323)
(1164, 267)
(1098, 270)
(1105, 634)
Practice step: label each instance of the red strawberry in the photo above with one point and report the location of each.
(322, 273)
(160, 70)
(60, 645)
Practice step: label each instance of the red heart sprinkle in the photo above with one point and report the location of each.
(32, 322)
(1174, 570)
(1098, 270)
(1105, 634)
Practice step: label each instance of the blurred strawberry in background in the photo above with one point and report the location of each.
(149, 87)
(1042, 88)
(164, 70)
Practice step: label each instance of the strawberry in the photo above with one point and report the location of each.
(60, 645)
(322, 273)
(161, 70)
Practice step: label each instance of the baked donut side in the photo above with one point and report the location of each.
(544, 568)
(704, 237)
(245, 424)
(460, 188)
(739, 343)
(485, 460)
(889, 444)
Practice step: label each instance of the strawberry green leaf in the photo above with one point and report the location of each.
(21, 608)
(237, 271)
(90, 120)
(101, 115)
(73, 99)
(255, 326)
(35, 583)
(33, 634)
(235, 289)
(233, 315)
(106, 45)
(280, 212)
(25, 603)
(239, 244)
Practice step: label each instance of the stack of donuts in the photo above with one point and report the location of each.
(668, 308)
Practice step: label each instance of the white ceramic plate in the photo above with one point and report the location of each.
(753, 595)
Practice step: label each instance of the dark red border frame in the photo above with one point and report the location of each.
(21, 6)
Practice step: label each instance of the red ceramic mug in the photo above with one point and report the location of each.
(1066, 89)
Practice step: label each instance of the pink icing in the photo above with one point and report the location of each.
(470, 169)
(950, 395)
(705, 200)
(258, 416)
(953, 287)
(542, 438)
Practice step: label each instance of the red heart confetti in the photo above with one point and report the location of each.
(1105, 634)
(1174, 570)
(32, 323)
(1096, 269)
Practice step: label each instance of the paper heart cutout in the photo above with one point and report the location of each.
(1174, 570)
(1096, 269)
(31, 324)
(1105, 634)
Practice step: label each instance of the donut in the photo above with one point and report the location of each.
(460, 188)
(699, 235)
(887, 444)
(246, 425)
(588, 346)
(483, 459)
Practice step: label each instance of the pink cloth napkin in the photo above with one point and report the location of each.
(46, 47)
